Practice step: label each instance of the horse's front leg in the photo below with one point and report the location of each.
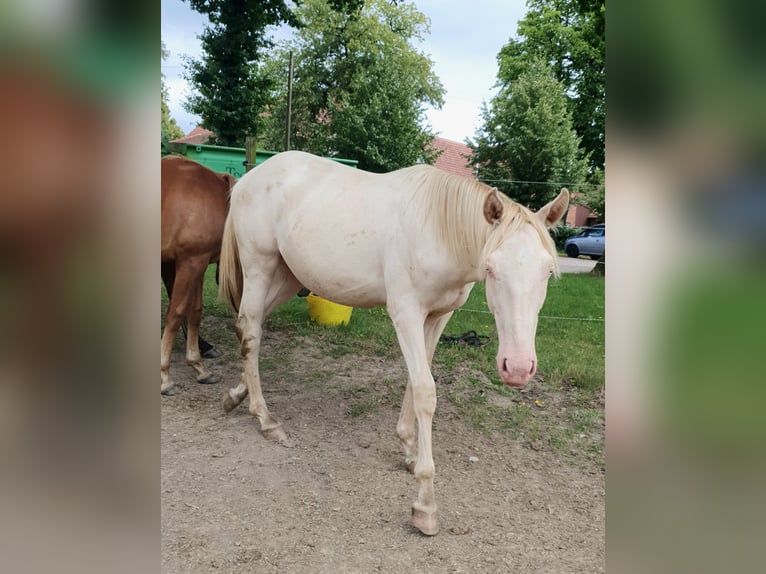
(405, 427)
(409, 324)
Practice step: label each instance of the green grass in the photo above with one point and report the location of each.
(570, 351)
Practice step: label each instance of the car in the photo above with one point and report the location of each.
(590, 241)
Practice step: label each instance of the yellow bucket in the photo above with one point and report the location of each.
(328, 313)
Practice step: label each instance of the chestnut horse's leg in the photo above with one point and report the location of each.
(185, 301)
(168, 269)
(263, 291)
(409, 322)
(193, 318)
(405, 427)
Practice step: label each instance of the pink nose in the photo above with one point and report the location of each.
(516, 373)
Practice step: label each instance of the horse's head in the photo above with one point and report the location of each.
(519, 264)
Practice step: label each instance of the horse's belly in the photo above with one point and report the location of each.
(345, 270)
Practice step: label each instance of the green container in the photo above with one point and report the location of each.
(226, 159)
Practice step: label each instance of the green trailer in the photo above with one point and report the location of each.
(226, 159)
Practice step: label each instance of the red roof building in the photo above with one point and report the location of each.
(454, 158)
(197, 136)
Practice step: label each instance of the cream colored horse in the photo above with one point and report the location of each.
(415, 240)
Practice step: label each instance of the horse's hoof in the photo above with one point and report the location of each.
(229, 404)
(169, 391)
(211, 353)
(276, 434)
(209, 379)
(425, 521)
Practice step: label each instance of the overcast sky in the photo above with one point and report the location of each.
(464, 42)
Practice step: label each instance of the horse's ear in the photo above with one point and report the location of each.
(551, 213)
(493, 207)
(230, 179)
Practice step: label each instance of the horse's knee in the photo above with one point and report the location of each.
(405, 430)
(424, 402)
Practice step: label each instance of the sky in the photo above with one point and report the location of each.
(464, 41)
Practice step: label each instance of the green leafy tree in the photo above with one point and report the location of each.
(169, 128)
(360, 88)
(594, 196)
(229, 94)
(570, 36)
(528, 137)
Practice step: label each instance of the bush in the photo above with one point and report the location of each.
(563, 232)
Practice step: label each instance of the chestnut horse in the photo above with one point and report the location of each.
(414, 240)
(195, 201)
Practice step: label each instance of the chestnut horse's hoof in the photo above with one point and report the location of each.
(169, 391)
(209, 379)
(210, 353)
(425, 521)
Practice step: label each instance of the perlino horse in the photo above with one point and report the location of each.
(414, 240)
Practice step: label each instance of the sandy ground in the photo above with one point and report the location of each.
(338, 499)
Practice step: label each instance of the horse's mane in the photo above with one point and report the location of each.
(452, 207)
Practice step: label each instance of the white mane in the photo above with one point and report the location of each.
(452, 208)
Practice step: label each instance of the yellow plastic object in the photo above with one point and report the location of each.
(328, 313)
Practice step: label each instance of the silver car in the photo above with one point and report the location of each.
(590, 241)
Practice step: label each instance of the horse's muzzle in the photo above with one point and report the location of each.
(516, 373)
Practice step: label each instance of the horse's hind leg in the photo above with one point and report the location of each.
(194, 316)
(262, 293)
(168, 278)
(172, 322)
(184, 302)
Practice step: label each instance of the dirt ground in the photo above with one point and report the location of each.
(338, 498)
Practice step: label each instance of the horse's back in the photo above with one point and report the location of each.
(194, 205)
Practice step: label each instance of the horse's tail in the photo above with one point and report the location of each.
(230, 270)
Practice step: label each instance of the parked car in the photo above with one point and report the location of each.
(590, 241)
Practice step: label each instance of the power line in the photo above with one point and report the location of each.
(540, 316)
(563, 184)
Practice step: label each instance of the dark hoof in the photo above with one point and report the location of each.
(211, 379)
(169, 392)
(228, 403)
(210, 353)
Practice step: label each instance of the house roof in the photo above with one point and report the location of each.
(454, 157)
(198, 135)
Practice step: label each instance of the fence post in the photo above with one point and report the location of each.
(250, 147)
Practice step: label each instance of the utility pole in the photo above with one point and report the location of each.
(289, 103)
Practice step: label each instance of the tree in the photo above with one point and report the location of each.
(169, 128)
(360, 89)
(229, 93)
(528, 136)
(594, 198)
(570, 36)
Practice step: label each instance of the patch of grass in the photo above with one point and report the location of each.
(362, 407)
(570, 332)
